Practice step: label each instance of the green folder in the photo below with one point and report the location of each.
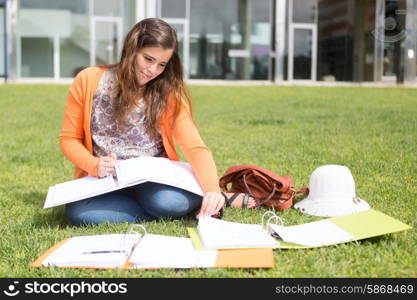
(361, 225)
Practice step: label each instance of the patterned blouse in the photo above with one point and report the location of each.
(133, 141)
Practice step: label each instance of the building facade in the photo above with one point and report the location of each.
(272, 40)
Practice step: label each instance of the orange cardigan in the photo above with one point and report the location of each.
(76, 142)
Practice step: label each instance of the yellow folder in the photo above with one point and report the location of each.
(362, 225)
(369, 223)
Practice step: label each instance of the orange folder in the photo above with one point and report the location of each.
(227, 258)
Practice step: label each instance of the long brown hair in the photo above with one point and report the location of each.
(161, 92)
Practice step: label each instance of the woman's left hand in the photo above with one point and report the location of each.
(212, 204)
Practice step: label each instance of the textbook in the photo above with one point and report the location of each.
(127, 173)
(146, 251)
(330, 231)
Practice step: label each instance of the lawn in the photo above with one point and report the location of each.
(289, 130)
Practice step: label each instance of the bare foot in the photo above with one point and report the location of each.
(239, 199)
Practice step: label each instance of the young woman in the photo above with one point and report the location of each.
(138, 107)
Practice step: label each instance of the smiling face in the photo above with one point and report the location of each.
(151, 62)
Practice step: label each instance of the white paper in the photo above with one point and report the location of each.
(160, 251)
(319, 233)
(219, 234)
(129, 172)
(78, 189)
(76, 251)
(160, 170)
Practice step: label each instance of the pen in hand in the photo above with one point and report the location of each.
(105, 166)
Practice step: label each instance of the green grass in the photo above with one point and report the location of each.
(289, 130)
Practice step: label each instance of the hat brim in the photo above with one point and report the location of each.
(330, 209)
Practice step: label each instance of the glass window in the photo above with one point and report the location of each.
(230, 39)
(108, 7)
(60, 27)
(302, 53)
(179, 28)
(74, 6)
(2, 39)
(74, 55)
(173, 8)
(346, 40)
(260, 40)
(394, 34)
(106, 42)
(304, 11)
(335, 41)
(37, 56)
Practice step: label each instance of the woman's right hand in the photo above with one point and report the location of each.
(106, 165)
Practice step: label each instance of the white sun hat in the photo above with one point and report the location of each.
(332, 193)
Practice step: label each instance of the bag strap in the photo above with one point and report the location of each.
(285, 181)
(261, 201)
(303, 191)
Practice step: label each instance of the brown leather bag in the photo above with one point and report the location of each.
(268, 188)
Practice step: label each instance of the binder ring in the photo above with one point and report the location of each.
(132, 229)
(269, 212)
(278, 221)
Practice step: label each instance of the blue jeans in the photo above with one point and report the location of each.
(143, 202)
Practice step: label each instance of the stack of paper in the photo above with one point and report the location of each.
(157, 169)
(331, 231)
(236, 245)
(219, 234)
(318, 233)
(128, 172)
(95, 251)
(347, 228)
(147, 252)
(159, 251)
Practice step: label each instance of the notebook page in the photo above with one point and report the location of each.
(319, 233)
(142, 169)
(78, 189)
(186, 178)
(160, 170)
(160, 251)
(85, 251)
(219, 234)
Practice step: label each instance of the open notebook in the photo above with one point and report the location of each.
(325, 232)
(128, 172)
(220, 234)
(146, 251)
